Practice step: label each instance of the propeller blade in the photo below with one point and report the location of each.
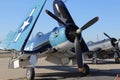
(61, 11)
(55, 17)
(91, 22)
(107, 35)
(78, 51)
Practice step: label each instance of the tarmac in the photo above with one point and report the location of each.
(105, 70)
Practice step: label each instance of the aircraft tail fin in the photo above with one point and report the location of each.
(22, 34)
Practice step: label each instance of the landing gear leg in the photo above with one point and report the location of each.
(30, 73)
(117, 58)
(94, 59)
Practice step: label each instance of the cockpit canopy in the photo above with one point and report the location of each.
(40, 34)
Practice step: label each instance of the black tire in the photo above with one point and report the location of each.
(86, 70)
(30, 73)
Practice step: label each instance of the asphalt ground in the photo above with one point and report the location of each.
(105, 70)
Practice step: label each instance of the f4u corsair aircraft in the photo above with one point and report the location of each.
(107, 48)
(60, 45)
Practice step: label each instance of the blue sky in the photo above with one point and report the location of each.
(12, 12)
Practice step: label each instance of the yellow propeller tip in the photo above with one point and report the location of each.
(80, 69)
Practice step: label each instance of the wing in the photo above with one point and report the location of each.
(22, 34)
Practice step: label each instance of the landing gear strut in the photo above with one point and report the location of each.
(30, 73)
(117, 60)
(117, 57)
(94, 59)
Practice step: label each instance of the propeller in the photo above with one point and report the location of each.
(113, 40)
(75, 32)
(77, 41)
